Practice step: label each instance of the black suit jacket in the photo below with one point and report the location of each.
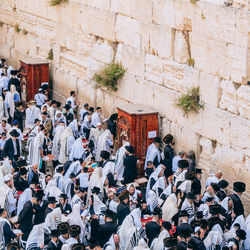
(9, 149)
(122, 211)
(105, 231)
(47, 211)
(66, 208)
(238, 206)
(25, 219)
(197, 243)
(51, 246)
(152, 231)
(18, 115)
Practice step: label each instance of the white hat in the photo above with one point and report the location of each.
(6, 178)
(197, 229)
(98, 124)
(44, 83)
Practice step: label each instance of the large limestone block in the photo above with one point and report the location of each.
(98, 22)
(102, 51)
(243, 101)
(228, 99)
(216, 125)
(239, 131)
(180, 48)
(154, 69)
(128, 31)
(191, 77)
(3, 32)
(10, 37)
(5, 51)
(140, 9)
(101, 4)
(132, 59)
(160, 40)
(173, 73)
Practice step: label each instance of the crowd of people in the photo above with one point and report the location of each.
(90, 196)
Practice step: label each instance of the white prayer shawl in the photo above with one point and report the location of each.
(136, 214)
(94, 135)
(102, 143)
(205, 211)
(32, 113)
(158, 243)
(18, 130)
(55, 118)
(160, 183)
(2, 223)
(180, 177)
(31, 138)
(142, 245)
(108, 168)
(70, 242)
(169, 208)
(95, 181)
(6, 168)
(60, 182)
(133, 197)
(74, 127)
(75, 167)
(9, 99)
(155, 176)
(52, 190)
(24, 197)
(64, 150)
(185, 186)
(77, 150)
(119, 158)
(36, 237)
(53, 219)
(67, 188)
(240, 220)
(35, 155)
(113, 206)
(8, 71)
(229, 234)
(152, 152)
(189, 208)
(213, 238)
(98, 205)
(152, 200)
(247, 229)
(128, 234)
(3, 109)
(76, 200)
(56, 142)
(224, 203)
(4, 190)
(74, 218)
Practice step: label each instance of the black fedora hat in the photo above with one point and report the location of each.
(64, 196)
(51, 200)
(198, 171)
(63, 227)
(23, 171)
(183, 213)
(74, 230)
(199, 215)
(130, 149)
(14, 133)
(191, 196)
(78, 246)
(190, 176)
(105, 154)
(183, 164)
(157, 140)
(241, 234)
(223, 184)
(170, 242)
(109, 213)
(239, 187)
(96, 190)
(215, 209)
(55, 233)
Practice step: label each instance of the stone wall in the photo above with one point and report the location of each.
(153, 39)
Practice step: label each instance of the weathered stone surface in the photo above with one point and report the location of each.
(243, 100)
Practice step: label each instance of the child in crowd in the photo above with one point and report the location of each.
(84, 178)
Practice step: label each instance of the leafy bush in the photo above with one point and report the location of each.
(190, 102)
(57, 2)
(50, 55)
(17, 28)
(109, 75)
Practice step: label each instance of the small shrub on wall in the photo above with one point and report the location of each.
(50, 55)
(57, 2)
(190, 102)
(109, 75)
(17, 28)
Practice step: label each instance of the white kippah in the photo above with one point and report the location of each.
(6, 178)
(196, 229)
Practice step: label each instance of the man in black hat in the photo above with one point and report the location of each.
(239, 188)
(51, 205)
(63, 228)
(179, 175)
(21, 182)
(19, 115)
(168, 153)
(55, 243)
(188, 205)
(196, 185)
(215, 211)
(184, 235)
(170, 243)
(123, 208)
(25, 218)
(74, 232)
(197, 239)
(63, 204)
(12, 148)
(130, 165)
(108, 228)
(238, 241)
(222, 193)
(153, 228)
(68, 115)
(15, 81)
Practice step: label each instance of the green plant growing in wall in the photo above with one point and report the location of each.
(50, 55)
(191, 62)
(25, 32)
(57, 2)
(190, 102)
(109, 75)
(17, 28)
